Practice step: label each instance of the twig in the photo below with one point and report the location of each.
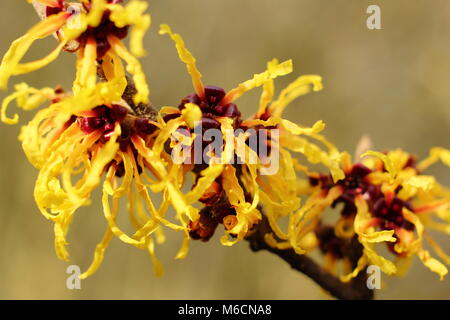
(354, 290)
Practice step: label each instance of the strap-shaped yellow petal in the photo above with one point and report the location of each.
(303, 85)
(11, 61)
(186, 57)
(133, 14)
(432, 264)
(134, 67)
(258, 80)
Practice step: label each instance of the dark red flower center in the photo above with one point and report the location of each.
(329, 243)
(392, 213)
(99, 33)
(104, 118)
(212, 107)
(356, 183)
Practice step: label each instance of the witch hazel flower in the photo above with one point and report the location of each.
(383, 199)
(235, 180)
(93, 30)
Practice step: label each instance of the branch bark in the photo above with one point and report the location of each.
(354, 290)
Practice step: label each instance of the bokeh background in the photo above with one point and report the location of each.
(392, 84)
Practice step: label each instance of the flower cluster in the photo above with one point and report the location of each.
(105, 131)
(384, 198)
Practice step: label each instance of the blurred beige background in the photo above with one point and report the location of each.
(393, 84)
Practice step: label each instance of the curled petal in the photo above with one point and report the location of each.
(133, 14)
(11, 61)
(187, 57)
(303, 85)
(362, 263)
(258, 80)
(133, 67)
(432, 264)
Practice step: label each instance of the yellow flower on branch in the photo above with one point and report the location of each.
(78, 140)
(386, 199)
(233, 193)
(93, 29)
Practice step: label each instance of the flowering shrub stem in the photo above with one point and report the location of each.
(354, 290)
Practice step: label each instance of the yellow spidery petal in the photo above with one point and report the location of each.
(268, 91)
(344, 228)
(247, 153)
(403, 265)
(48, 3)
(436, 154)
(113, 66)
(133, 14)
(186, 57)
(303, 85)
(246, 214)
(31, 98)
(385, 265)
(207, 176)
(179, 203)
(30, 138)
(391, 167)
(307, 217)
(49, 194)
(439, 251)
(114, 71)
(76, 25)
(39, 64)
(258, 80)
(165, 134)
(4, 108)
(70, 160)
(432, 264)
(106, 154)
(314, 154)
(87, 70)
(426, 183)
(362, 263)
(191, 114)
(99, 252)
(160, 234)
(96, 12)
(226, 125)
(270, 240)
(133, 67)
(169, 110)
(158, 268)
(182, 253)
(11, 61)
(270, 209)
(113, 226)
(367, 239)
(286, 124)
(297, 130)
(361, 220)
(126, 181)
(87, 99)
(60, 229)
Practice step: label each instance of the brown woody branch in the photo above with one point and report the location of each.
(354, 290)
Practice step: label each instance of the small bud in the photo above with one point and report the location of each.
(214, 94)
(143, 126)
